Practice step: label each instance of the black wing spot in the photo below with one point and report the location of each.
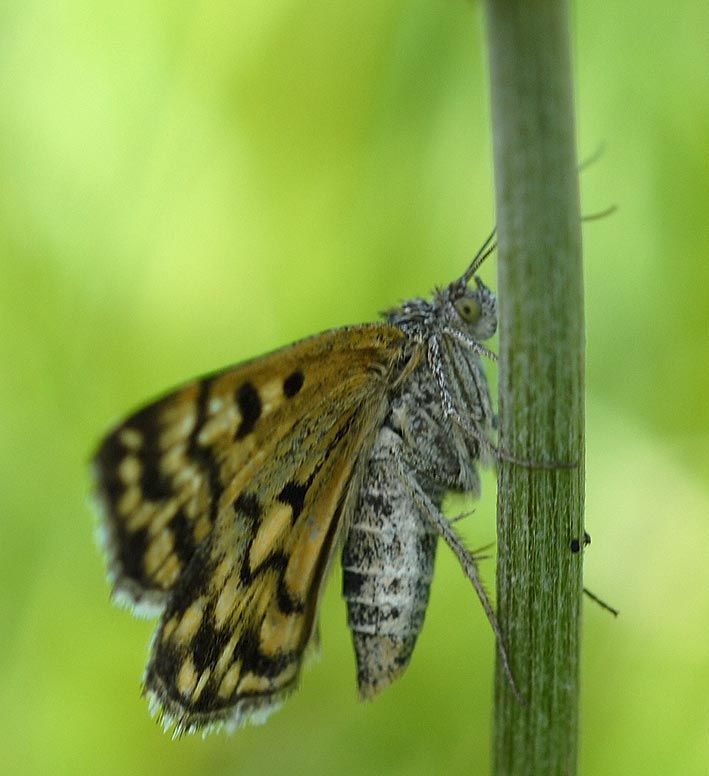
(195, 580)
(249, 403)
(208, 644)
(293, 383)
(274, 561)
(288, 602)
(154, 485)
(293, 494)
(249, 506)
(132, 547)
(184, 543)
(263, 665)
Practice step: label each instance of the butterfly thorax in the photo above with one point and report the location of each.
(443, 408)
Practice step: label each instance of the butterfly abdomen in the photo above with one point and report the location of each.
(387, 561)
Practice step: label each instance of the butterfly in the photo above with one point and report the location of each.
(225, 502)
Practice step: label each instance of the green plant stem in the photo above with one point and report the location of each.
(541, 385)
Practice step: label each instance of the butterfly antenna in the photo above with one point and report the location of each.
(487, 248)
(490, 243)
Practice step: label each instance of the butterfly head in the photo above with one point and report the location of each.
(458, 307)
(471, 310)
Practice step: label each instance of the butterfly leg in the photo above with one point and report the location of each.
(436, 364)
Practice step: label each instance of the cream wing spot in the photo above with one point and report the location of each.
(130, 438)
(270, 533)
(141, 517)
(277, 629)
(161, 546)
(303, 561)
(130, 470)
(216, 427)
(178, 428)
(129, 500)
(194, 506)
(228, 683)
(169, 628)
(159, 519)
(226, 603)
(201, 528)
(162, 518)
(167, 574)
(186, 678)
(271, 395)
(222, 573)
(201, 684)
(187, 475)
(226, 657)
(253, 684)
(190, 621)
(174, 459)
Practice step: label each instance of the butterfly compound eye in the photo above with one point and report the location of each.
(468, 309)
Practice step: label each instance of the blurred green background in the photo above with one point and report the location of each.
(184, 185)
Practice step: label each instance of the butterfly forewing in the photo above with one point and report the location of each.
(222, 501)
